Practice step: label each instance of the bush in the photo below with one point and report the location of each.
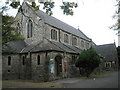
(87, 61)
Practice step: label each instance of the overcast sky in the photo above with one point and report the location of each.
(93, 17)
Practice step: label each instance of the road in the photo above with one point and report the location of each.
(106, 81)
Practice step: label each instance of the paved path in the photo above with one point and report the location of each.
(107, 81)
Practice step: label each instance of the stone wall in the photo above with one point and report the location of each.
(72, 71)
(38, 70)
(10, 71)
(37, 21)
(60, 37)
(25, 70)
(30, 70)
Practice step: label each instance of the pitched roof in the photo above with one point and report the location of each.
(107, 51)
(22, 47)
(59, 24)
(14, 46)
(51, 46)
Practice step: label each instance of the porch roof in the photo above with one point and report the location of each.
(47, 45)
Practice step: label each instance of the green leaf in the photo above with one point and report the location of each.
(48, 5)
(67, 7)
(15, 4)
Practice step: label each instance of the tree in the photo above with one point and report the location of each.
(118, 51)
(87, 61)
(67, 7)
(9, 33)
(117, 16)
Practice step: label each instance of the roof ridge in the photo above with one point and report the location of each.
(57, 19)
(83, 33)
(68, 47)
(31, 47)
(57, 23)
(107, 44)
(61, 22)
(53, 43)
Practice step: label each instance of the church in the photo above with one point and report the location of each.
(48, 51)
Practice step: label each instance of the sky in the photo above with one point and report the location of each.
(92, 17)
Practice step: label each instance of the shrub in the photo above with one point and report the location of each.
(87, 61)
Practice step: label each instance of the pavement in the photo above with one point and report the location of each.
(106, 81)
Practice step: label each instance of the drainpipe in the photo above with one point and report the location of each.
(46, 68)
(65, 73)
(29, 66)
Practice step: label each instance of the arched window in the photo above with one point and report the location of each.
(87, 45)
(23, 60)
(82, 43)
(18, 28)
(74, 41)
(29, 29)
(53, 34)
(65, 38)
(9, 60)
(38, 60)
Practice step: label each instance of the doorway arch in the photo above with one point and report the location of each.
(58, 65)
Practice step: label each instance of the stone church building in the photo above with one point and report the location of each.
(48, 51)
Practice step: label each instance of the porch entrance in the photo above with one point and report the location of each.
(58, 65)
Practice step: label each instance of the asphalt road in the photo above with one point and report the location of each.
(107, 81)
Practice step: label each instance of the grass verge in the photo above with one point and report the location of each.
(98, 74)
(22, 84)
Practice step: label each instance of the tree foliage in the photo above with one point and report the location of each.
(88, 60)
(9, 32)
(117, 15)
(48, 7)
(67, 7)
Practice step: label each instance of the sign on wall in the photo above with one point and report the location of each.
(52, 65)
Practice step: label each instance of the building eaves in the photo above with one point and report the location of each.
(107, 51)
(61, 25)
(50, 20)
(14, 46)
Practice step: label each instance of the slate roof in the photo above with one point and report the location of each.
(22, 47)
(107, 51)
(41, 46)
(14, 46)
(60, 24)
(51, 46)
